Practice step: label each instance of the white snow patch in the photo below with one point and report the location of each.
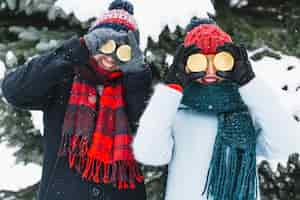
(37, 120)
(15, 177)
(275, 74)
(169, 59)
(2, 69)
(11, 59)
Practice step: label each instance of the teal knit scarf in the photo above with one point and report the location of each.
(232, 170)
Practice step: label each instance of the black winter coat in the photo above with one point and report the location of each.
(44, 84)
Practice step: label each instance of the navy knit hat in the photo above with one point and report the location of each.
(119, 17)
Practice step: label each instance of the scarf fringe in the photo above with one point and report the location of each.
(232, 174)
(124, 173)
(74, 114)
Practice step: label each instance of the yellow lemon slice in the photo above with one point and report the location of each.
(124, 53)
(109, 47)
(196, 63)
(224, 61)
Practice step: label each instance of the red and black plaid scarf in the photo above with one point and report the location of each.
(96, 134)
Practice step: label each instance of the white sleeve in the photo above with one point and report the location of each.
(280, 133)
(153, 144)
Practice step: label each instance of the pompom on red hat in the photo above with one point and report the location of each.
(207, 37)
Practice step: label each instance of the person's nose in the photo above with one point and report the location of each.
(109, 58)
(211, 69)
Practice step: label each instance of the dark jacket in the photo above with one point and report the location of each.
(44, 84)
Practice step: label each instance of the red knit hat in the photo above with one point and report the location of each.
(207, 37)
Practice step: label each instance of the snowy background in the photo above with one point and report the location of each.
(152, 16)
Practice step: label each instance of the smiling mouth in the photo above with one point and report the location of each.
(209, 79)
(107, 63)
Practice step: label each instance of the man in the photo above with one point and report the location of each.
(92, 91)
(211, 120)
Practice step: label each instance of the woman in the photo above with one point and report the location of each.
(211, 120)
(92, 91)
